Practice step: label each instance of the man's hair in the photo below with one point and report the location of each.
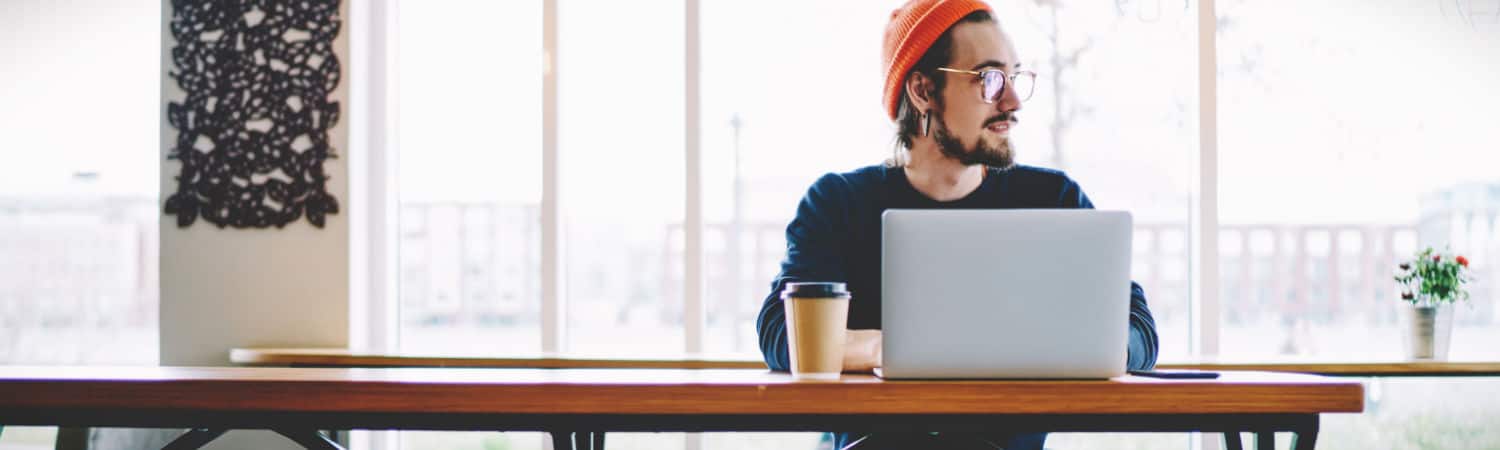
(908, 119)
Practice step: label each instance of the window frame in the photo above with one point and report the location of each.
(375, 186)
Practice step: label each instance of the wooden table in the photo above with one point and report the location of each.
(342, 357)
(1355, 369)
(339, 357)
(571, 402)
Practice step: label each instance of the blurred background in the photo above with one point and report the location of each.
(1350, 132)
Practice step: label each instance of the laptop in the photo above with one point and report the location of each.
(1005, 294)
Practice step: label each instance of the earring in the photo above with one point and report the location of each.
(926, 122)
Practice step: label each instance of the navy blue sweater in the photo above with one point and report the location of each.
(836, 237)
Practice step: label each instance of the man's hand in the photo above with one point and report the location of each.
(862, 350)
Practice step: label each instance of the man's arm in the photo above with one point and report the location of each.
(1141, 353)
(1143, 345)
(812, 254)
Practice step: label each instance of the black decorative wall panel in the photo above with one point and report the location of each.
(255, 128)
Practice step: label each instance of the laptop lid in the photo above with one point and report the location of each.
(1005, 293)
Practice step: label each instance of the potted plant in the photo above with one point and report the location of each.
(1431, 283)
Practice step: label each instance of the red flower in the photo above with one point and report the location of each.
(1437, 259)
(1462, 261)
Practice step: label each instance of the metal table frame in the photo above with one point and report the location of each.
(586, 432)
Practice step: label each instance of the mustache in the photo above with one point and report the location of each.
(1003, 117)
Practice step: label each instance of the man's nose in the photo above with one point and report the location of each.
(1009, 100)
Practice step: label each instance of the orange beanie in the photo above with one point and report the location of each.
(912, 30)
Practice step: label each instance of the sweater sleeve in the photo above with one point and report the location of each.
(811, 255)
(1143, 345)
(1141, 355)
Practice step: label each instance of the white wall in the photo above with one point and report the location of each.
(225, 288)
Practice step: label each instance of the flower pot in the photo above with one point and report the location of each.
(1429, 328)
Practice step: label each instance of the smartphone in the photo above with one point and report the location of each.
(1175, 374)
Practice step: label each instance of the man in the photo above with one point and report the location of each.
(953, 87)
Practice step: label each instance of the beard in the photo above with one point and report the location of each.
(999, 155)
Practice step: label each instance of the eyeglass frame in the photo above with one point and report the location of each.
(1010, 80)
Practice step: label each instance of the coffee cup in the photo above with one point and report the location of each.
(817, 315)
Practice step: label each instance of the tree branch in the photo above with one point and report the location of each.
(1072, 59)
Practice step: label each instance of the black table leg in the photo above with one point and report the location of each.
(562, 440)
(1232, 441)
(194, 439)
(340, 437)
(582, 440)
(1306, 437)
(1265, 440)
(310, 439)
(72, 438)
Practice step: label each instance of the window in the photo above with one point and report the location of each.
(78, 195)
(621, 152)
(620, 139)
(78, 190)
(470, 146)
(782, 106)
(1336, 162)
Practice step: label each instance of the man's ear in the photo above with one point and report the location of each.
(919, 91)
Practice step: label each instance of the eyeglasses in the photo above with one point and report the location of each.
(1023, 82)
